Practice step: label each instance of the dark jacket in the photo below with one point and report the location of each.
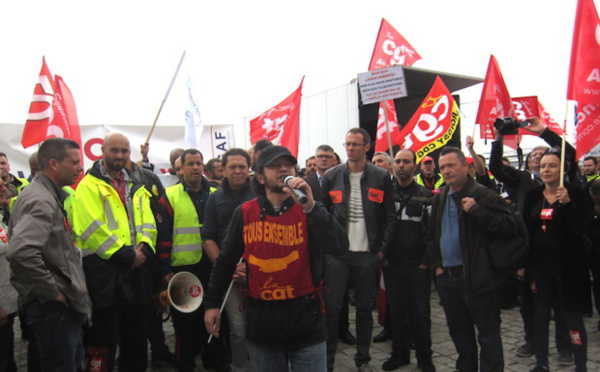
(152, 183)
(315, 186)
(413, 206)
(286, 324)
(379, 211)
(521, 181)
(565, 256)
(219, 209)
(42, 256)
(487, 219)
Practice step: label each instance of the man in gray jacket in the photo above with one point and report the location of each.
(45, 263)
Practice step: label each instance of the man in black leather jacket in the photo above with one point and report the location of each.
(360, 196)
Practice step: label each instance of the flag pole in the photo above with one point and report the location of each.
(562, 148)
(166, 96)
(225, 298)
(387, 130)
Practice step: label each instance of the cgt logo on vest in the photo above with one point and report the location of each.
(270, 292)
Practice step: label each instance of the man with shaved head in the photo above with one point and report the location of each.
(116, 233)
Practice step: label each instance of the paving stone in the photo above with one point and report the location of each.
(444, 353)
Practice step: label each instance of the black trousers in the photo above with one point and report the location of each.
(408, 290)
(123, 325)
(191, 336)
(7, 346)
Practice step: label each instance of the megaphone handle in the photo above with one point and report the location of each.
(225, 298)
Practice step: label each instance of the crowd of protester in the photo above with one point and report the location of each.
(283, 252)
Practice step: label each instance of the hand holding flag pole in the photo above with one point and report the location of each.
(225, 299)
(166, 97)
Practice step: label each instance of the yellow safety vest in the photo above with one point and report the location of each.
(187, 241)
(24, 183)
(438, 184)
(12, 200)
(100, 219)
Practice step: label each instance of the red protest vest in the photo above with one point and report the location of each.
(276, 253)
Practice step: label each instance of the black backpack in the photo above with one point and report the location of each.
(507, 254)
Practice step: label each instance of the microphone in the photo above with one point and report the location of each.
(299, 193)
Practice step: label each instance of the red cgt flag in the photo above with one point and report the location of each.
(495, 102)
(41, 111)
(66, 114)
(280, 124)
(381, 141)
(433, 124)
(52, 112)
(584, 76)
(527, 107)
(392, 49)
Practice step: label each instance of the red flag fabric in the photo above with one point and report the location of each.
(526, 107)
(392, 49)
(64, 107)
(495, 101)
(280, 124)
(584, 73)
(41, 111)
(52, 112)
(433, 124)
(381, 140)
(584, 76)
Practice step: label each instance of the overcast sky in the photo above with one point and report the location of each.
(118, 57)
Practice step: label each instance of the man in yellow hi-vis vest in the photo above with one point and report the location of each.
(428, 177)
(180, 216)
(116, 231)
(13, 184)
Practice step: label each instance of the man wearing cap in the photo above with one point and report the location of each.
(428, 177)
(277, 238)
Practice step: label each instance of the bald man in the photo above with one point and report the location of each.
(116, 233)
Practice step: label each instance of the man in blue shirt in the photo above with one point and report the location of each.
(468, 287)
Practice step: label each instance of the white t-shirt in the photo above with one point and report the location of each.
(357, 229)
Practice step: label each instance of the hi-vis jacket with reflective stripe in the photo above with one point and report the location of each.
(439, 181)
(103, 224)
(187, 241)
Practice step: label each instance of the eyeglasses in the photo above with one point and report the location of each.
(280, 164)
(353, 144)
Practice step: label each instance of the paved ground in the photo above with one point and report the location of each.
(443, 350)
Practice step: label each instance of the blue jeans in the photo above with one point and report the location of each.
(463, 314)
(312, 358)
(58, 331)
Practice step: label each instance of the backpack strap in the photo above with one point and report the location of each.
(476, 190)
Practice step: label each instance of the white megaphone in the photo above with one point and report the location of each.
(184, 293)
